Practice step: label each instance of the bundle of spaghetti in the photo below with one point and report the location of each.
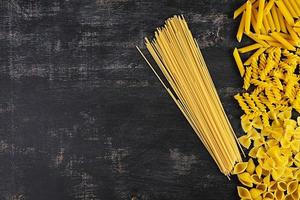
(180, 61)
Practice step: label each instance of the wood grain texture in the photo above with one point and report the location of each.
(82, 116)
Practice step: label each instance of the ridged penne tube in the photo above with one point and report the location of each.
(295, 7)
(281, 21)
(241, 9)
(261, 6)
(283, 41)
(269, 6)
(241, 28)
(248, 16)
(254, 56)
(239, 62)
(254, 37)
(271, 22)
(262, 30)
(250, 48)
(265, 37)
(290, 8)
(266, 24)
(293, 34)
(285, 12)
(275, 18)
(253, 23)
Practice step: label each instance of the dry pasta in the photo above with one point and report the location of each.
(180, 61)
(272, 92)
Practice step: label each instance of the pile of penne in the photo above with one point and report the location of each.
(273, 23)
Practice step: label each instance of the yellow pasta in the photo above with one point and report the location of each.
(260, 14)
(250, 48)
(294, 5)
(241, 9)
(292, 33)
(271, 22)
(285, 12)
(253, 37)
(281, 21)
(255, 193)
(265, 37)
(254, 56)
(241, 29)
(244, 193)
(179, 58)
(268, 7)
(272, 92)
(266, 24)
(292, 187)
(247, 78)
(275, 18)
(283, 41)
(239, 62)
(240, 168)
(290, 8)
(253, 23)
(250, 166)
(248, 16)
(255, 15)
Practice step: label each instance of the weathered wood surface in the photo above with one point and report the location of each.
(83, 117)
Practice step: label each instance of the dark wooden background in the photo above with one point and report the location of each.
(82, 117)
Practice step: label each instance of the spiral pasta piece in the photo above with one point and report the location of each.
(262, 61)
(250, 102)
(269, 66)
(242, 103)
(260, 84)
(247, 78)
(255, 70)
(258, 103)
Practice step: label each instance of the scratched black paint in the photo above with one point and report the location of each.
(83, 117)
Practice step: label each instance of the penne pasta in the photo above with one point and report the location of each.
(284, 35)
(281, 21)
(265, 37)
(275, 44)
(250, 48)
(290, 8)
(254, 56)
(275, 18)
(241, 9)
(285, 12)
(268, 7)
(248, 17)
(283, 41)
(253, 37)
(253, 23)
(239, 62)
(266, 24)
(260, 14)
(271, 22)
(262, 30)
(292, 33)
(295, 7)
(297, 30)
(241, 29)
